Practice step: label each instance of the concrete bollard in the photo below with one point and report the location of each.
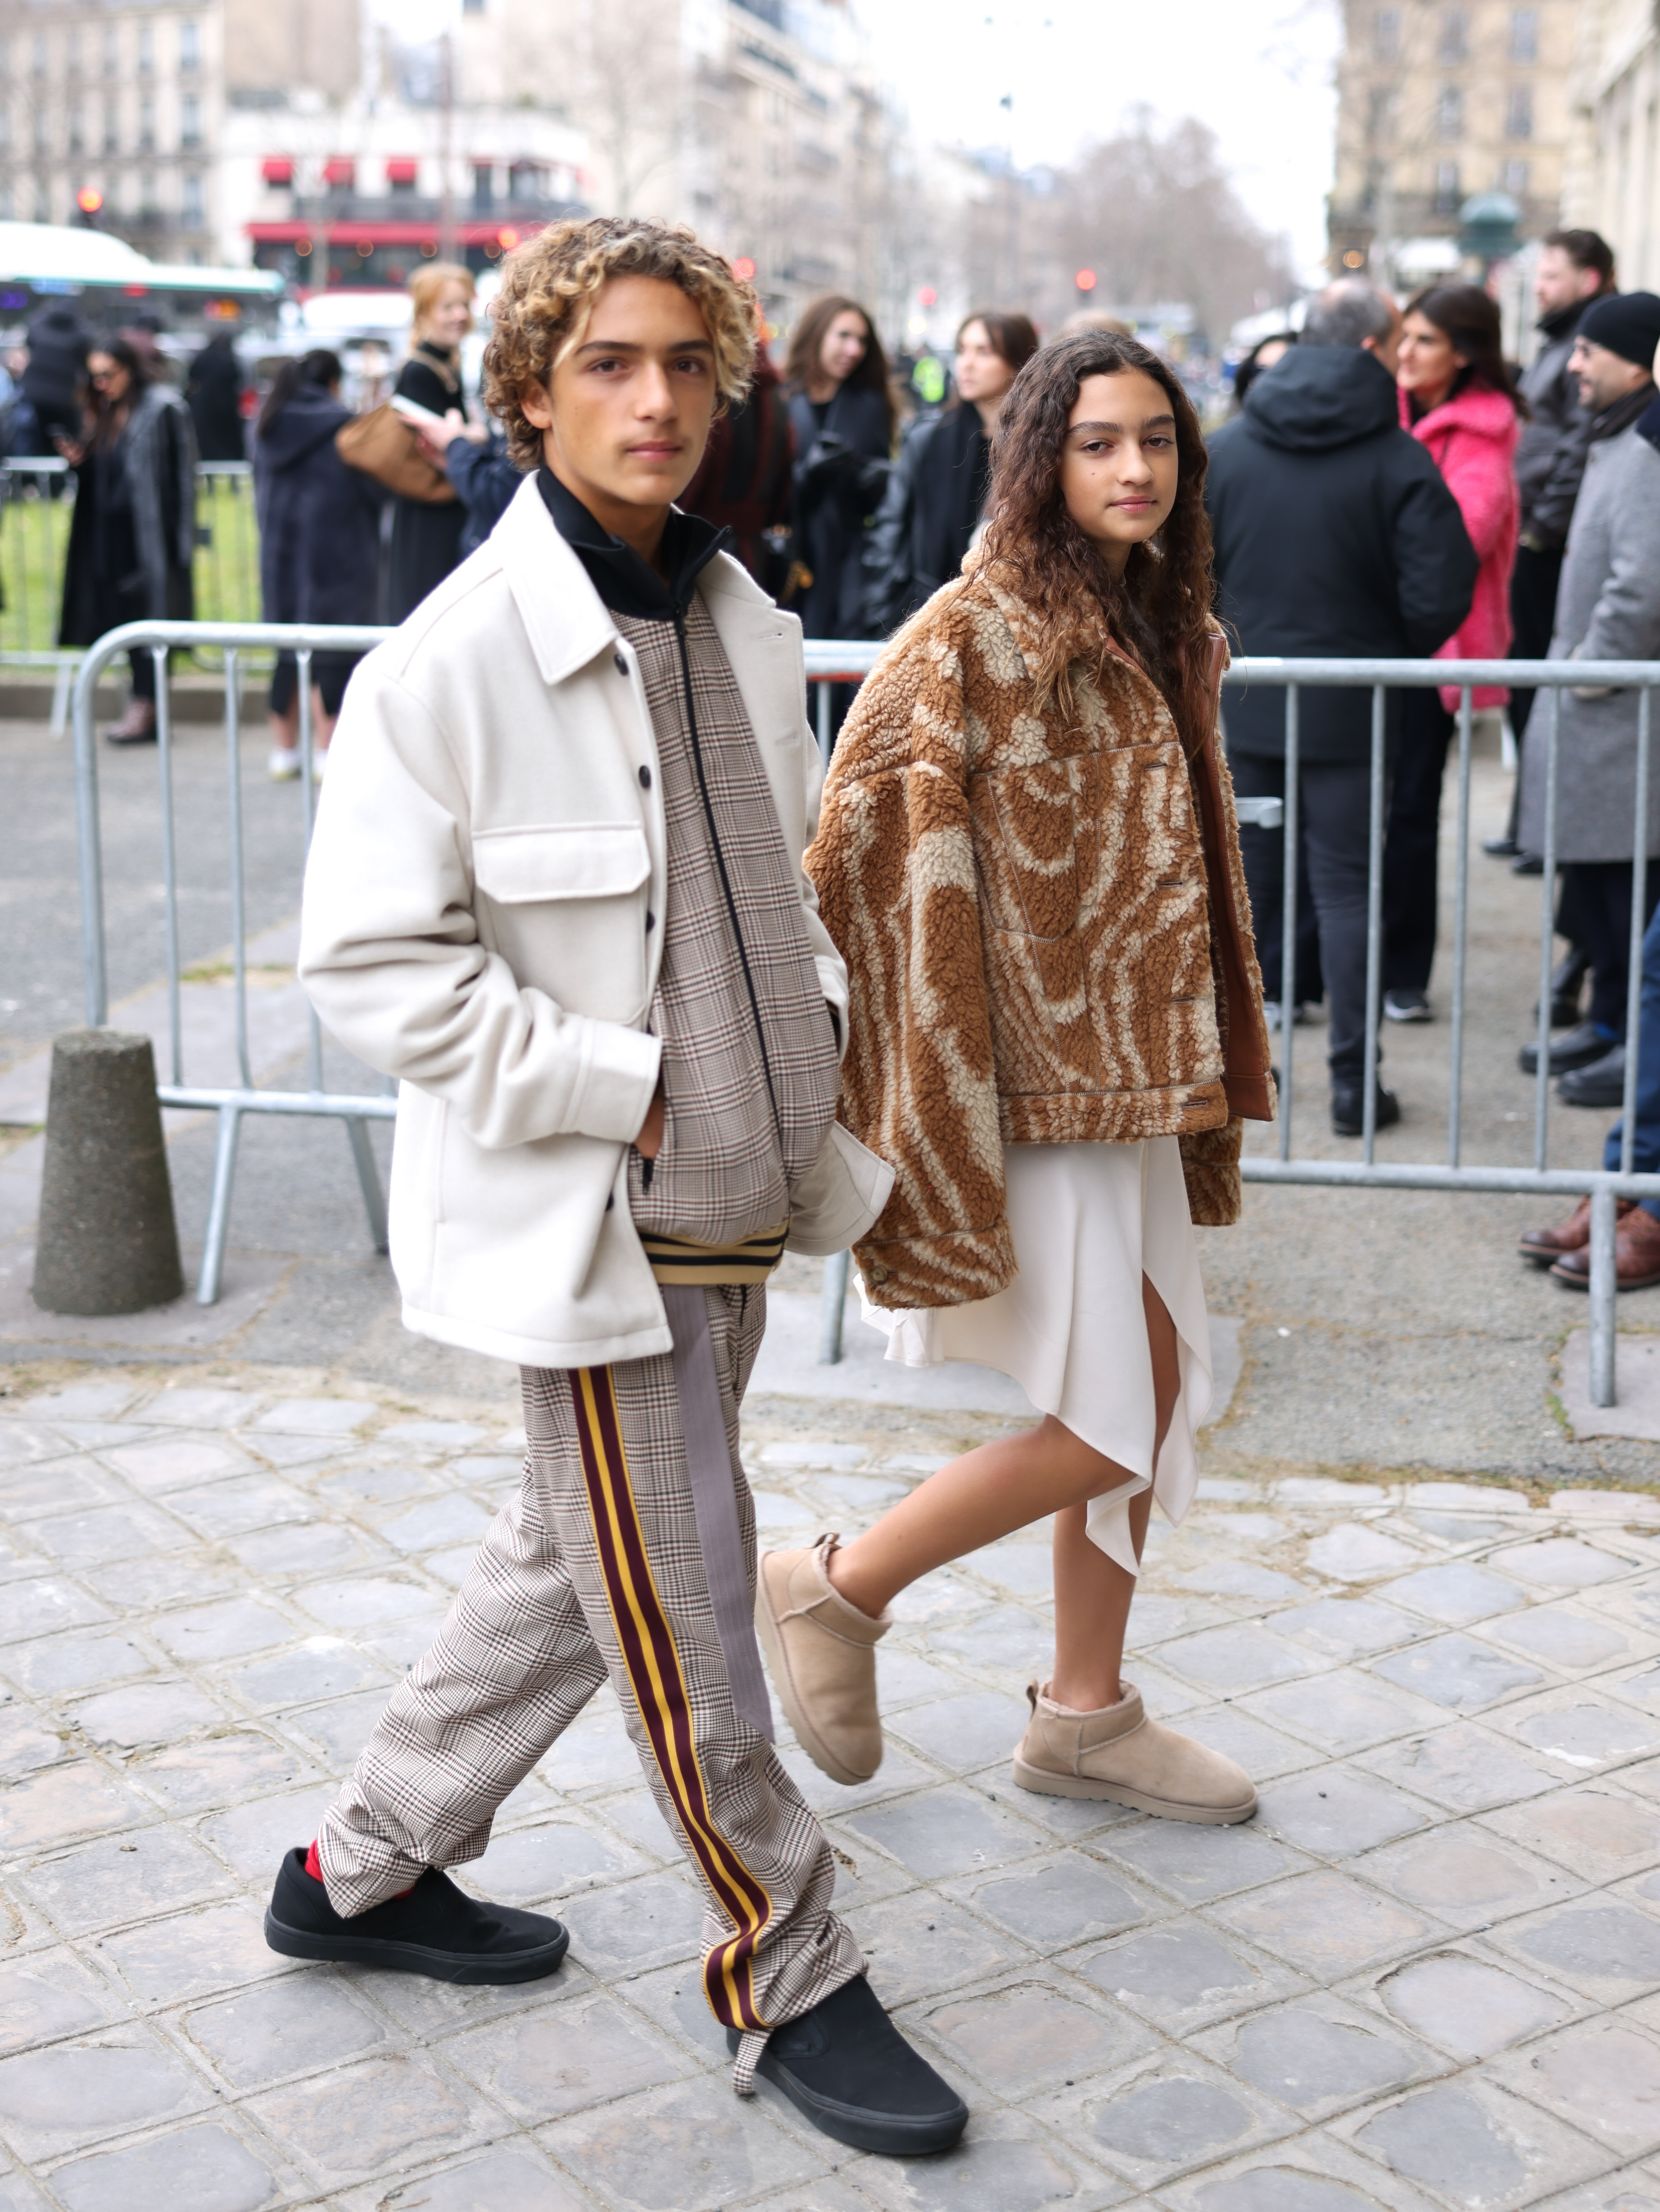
(107, 1242)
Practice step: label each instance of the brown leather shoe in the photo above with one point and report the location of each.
(1542, 1246)
(1636, 1256)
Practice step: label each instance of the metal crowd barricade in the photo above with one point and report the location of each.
(356, 1111)
(847, 660)
(37, 498)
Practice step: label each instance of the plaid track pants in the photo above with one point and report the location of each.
(595, 1570)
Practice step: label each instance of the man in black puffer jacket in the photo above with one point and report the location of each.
(1335, 535)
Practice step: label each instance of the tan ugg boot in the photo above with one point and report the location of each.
(1118, 1753)
(822, 1653)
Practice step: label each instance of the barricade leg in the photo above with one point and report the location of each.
(829, 1312)
(1603, 1292)
(369, 1179)
(224, 1179)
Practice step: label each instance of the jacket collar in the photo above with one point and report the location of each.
(627, 585)
(1623, 413)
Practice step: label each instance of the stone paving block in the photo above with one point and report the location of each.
(148, 1712)
(165, 1961)
(1058, 1902)
(1577, 1727)
(1326, 1924)
(176, 1463)
(938, 1597)
(1241, 1657)
(1265, 1753)
(108, 1533)
(1642, 1687)
(1184, 1976)
(1318, 2055)
(310, 2020)
(1609, 1951)
(1466, 1876)
(635, 1924)
(518, 2179)
(170, 1578)
(673, 2002)
(28, 1740)
(1458, 1672)
(82, 1401)
(1197, 1863)
(964, 1732)
(1469, 2006)
(816, 1452)
(1296, 2177)
(1162, 2119)
(903, 1678)
(56, 1485)
(1030, 2035)
(1562, 1563)
(1600, 2075)
(443, 1436)
(202, 1409)
(292, 1451)
(211, 2168)
(1026, 1568)
(403, 1642)
(374, 1483)
(222, 1510)
(299, 1549)
(556, 1859)
(376, 2117)
(594, 1752)
(49, 1995)
(252, 1839)
(1333, 1813)
(1473, 2145)
(1347, 1627)
(1005, 2162)
(946, 1830)
(1598, 1834)
(362, 1601)
(1239, 1578)
(429, 2012)
(322, 1667)
(55, 2099)
(338, 1730)
(1003, 1640)
(316, 1417)
(39, 1606)
(921, 1944)
(1561, 1638)
(539, 2066)
(451, 1567)
(1156, 1617)
(19, 2194)
(224, 1631)
(1465, 1531)
(634, 1815)
(63, 1801)
(1465, 1767)
(440, 1521)
(118, 1879)
(1352, 1552)
(1326, 1490)
(1456, 1594)
(1631, 2191)
(1344, 1710)
(690, 2147)
(859, 1493)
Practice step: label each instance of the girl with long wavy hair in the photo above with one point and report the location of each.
(1027, 855)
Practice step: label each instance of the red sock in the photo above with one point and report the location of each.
(314, 1869)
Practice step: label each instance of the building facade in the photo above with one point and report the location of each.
(1612, 182)
(1435, 103)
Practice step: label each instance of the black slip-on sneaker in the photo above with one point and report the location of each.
(845, 2067)
(1348, 1109)
(434, 1928)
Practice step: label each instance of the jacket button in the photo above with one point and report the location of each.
(645, 779)
(651, 921)
(620, 663)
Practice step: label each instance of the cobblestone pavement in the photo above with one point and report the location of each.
(1427, 1975)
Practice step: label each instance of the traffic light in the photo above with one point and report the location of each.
(90, 207)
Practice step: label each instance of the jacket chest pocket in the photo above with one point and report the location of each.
(564, 904)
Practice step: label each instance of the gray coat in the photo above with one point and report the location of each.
(1550, 460)
(1608, 609)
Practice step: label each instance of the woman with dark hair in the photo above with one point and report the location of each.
(319, 543)
(1258, 362)
(937, 493)
(1027, 855)
(841, 410)
(1458, 400)
(133, 531)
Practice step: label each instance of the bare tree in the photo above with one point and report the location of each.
(634, 91)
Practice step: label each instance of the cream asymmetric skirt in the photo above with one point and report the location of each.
(1088, 1221)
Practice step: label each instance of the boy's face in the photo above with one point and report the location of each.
(625, 416)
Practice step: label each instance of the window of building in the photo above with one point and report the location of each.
(76, 128)
(1454, 43)
(473, 6)
(5, 200)
(1386, 34)
(1446, 188)
(484, 184)
(39, 60)
(189, 45)
(147, 123)
(111, 52)
(190, 120)
(42, 132)
(146, 48)
(1450, 112)
(1380, 112)
(72, 50)
(112, 127)
(191, 208)
(1516, 179)
(1518, 112)
(146, 202)
(1524, 34)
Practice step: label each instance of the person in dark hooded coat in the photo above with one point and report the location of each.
(320, 541)
(1335, 535)
(213, 392)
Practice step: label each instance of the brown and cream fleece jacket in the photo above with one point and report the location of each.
(1047, 933)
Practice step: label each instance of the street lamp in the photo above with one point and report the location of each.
(1489, 227)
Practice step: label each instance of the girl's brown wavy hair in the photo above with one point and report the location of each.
(1161, 606)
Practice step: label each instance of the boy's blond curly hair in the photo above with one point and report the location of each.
(549, 284)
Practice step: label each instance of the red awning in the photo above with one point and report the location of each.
(277, 170)
(354, 235)
(401, 173)
(339, 171)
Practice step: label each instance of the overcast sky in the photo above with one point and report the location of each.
(1258, 71)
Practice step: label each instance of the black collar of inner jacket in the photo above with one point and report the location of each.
(1623, 413)
(627, 585)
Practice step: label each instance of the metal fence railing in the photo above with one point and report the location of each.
(830, 661)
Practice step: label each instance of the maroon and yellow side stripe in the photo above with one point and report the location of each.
(659, 1690)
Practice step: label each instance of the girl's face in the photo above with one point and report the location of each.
(844, 345)
(450, 317)
(981, 371)
(1429, 360)
(1118, 466)
(108, 378)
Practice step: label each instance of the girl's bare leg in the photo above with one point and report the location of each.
(285, 728)
(992, 1492)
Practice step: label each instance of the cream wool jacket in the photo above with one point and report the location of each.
(482, 920)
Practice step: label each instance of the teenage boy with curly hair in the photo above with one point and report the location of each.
(555, 889)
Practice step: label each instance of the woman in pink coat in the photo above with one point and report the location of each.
(1457, 398)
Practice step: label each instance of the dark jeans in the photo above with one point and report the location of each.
(1533, 617)
(1413, 840)
(1645, 1145)
(1597, 893)
(1333, 804)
